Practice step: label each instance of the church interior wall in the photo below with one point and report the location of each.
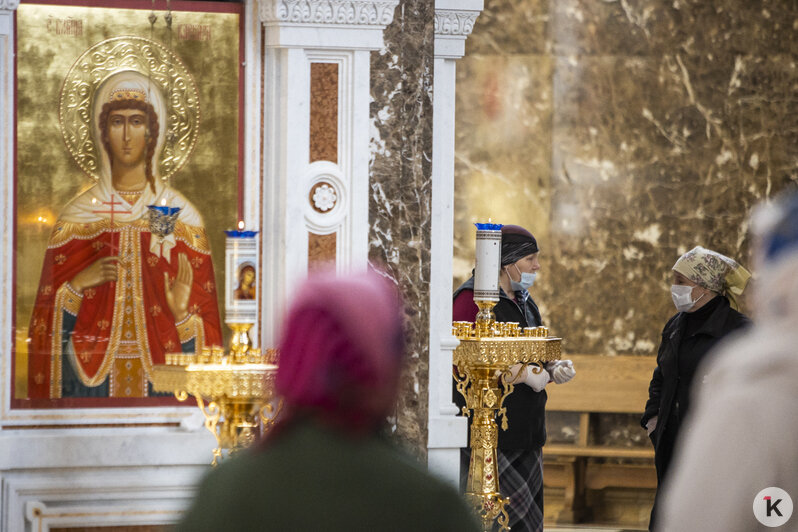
(622, 135)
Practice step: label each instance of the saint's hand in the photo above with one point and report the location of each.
(178, 291)
(99, 272)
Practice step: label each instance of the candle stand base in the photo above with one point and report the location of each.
(487, 350)
(234, 390)
(240, 342)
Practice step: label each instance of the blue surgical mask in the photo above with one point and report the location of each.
(527, 280)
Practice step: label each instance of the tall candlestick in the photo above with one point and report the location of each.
(241, 276)
(488, 260)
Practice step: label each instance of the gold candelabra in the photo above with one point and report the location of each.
(483, 359)
(234, 390)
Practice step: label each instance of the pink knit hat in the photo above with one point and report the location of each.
(340, 354)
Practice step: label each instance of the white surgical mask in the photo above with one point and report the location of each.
(682, 296)
(527, 280)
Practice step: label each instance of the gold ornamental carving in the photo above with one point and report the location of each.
(487, 350)
(167, 73)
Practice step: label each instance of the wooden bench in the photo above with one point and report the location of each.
(602, 385)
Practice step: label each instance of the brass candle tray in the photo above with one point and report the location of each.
(234, 391)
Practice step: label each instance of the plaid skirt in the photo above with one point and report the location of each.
(520, 479)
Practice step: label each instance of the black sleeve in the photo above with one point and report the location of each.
(652, 405)
(655, 386)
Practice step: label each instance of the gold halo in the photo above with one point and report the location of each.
(149, 58)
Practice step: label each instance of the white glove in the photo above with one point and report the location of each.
(536, 381)
(516, 374)
(651, 425)
(561, 371)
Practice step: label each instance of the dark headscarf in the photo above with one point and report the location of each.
(517, 243)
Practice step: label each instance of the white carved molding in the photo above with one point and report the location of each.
(42, 517)
(253, 86)
(324, 196)
(349, 12)
(326, 24)
(289, 211)
(455, 22)
(65, 478)
(7, 104)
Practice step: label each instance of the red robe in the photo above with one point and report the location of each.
(100, 312)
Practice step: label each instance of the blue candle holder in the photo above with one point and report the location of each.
(488, 227)
(162, 219)
(235, 233)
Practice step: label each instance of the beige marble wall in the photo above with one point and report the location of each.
(400, 187)
(623, 134)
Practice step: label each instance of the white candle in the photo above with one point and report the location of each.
(488, 260)
(241, 276)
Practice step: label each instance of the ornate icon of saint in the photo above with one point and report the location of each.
(246, 282)
(127, 276)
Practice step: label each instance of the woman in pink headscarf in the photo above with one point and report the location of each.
(341, 351)
(324, 466)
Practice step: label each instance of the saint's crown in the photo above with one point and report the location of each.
(128, 94)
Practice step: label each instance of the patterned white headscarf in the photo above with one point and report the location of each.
(715, 272)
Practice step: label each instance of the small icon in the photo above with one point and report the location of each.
(772, 507)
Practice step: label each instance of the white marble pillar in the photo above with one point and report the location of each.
(298, 33)
(454, 20)
(7, 107)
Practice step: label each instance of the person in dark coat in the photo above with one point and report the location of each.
(519, 447)
(324, 466)
(742, 430)
(706, 287)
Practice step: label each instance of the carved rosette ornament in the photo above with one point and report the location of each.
(349, 12)
(323, 197)
(455, 22)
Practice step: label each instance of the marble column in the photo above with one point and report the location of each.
(454, 21)
(253, 119)
(400, 189)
